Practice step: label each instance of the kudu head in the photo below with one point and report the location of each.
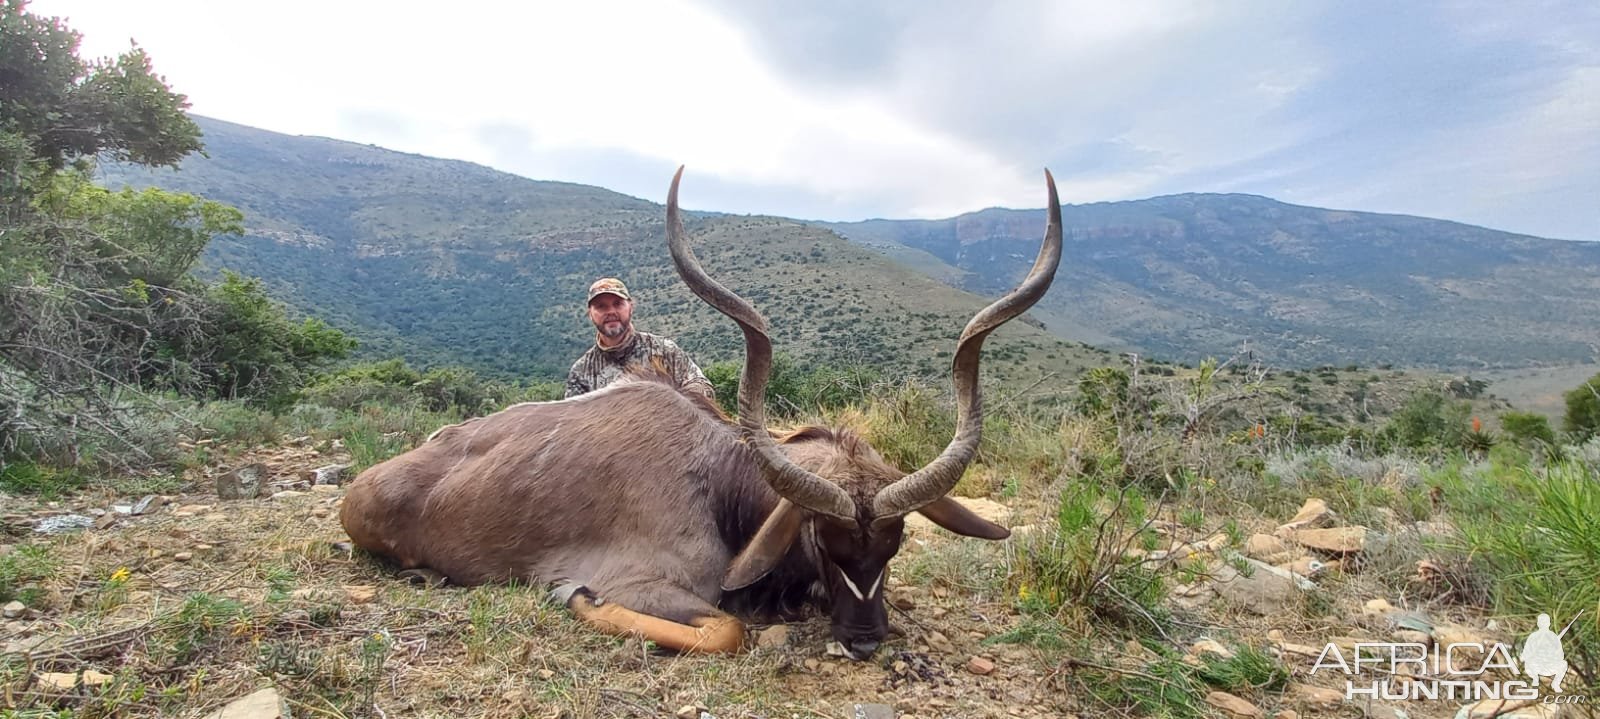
(840, 499)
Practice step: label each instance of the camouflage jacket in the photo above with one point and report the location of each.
(600, 367)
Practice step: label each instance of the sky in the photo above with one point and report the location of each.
(1480, 112)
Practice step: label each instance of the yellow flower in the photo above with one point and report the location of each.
(120, 576)
(1023, 593)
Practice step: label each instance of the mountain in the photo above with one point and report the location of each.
(443, 261)
(1189, 275)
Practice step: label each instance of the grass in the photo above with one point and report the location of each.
(1057, 608)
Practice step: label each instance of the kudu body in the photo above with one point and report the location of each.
(657, 514)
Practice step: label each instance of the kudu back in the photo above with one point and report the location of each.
(654, 513)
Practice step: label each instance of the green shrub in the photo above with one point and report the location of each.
(1527, 428)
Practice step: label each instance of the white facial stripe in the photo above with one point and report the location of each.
(876, 582)
(852, 585)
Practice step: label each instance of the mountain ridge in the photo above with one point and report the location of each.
(391, 243)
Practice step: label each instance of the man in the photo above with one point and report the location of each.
(617, 344)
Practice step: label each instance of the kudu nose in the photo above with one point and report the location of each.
(862, 648)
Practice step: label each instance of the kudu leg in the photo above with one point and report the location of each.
(715, 632)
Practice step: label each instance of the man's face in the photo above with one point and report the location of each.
(610, 315)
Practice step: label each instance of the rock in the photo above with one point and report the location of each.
(872, 711)
(14, 610)
(105, 521)
(1305, 567)
(1264, 592)
(1338, 540)
(288, 494)
(247, 482)
(687, 711)
(1377, 608)
(148, 503)
(1210, 646)
(1314, 513)
(1435, 530)
(546, 674)
(1508, 709)
(1412, 636)
(329, 475)
(940, 643)
(320, 512)
(190, 510)
(1315, 697)
(264, 704)
(811, 665)
(63, 523)
(1267, 548)
(57, 681)
(1287, 714)
(980, 666)
(773, 637)
(360, 593)
(1233, 706)
(903, 598)
(326, 489)
(183, 556)
(1446, 635)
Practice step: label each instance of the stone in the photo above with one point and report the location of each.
(183, 556)
(1233, 706)
(1287, 714)
(14, 610)
(1314, 513)
(687, 711)
(940, 643)
(1305, 566)
(247, 482)
(812, 665)
(264, 704)
(63, 524)
(1315, 697)
(190, 510)
(1377, 608)
(1264, 592)
(980, 666)
(360, 593)
(329, 475)
(1337, 540)
(872, 711)
(1412, 636)
(903, 598)
(1508, 709)
(773, 637)
(1267, 548)
(149, 503)
(105, 521)
(1210, 646)
(288, 494)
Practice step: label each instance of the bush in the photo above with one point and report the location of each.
(1528, 428)
(1583, 409)
(1429, 420)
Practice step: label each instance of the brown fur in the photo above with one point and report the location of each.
(639, 491)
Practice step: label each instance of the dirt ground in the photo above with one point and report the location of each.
(201, 601)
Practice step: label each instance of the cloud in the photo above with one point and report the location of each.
(1474, 111)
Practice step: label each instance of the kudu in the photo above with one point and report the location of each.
(653, 513)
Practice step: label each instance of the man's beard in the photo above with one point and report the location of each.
(613, 330)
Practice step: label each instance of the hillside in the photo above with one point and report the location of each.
(448, 262)
(1188, 275)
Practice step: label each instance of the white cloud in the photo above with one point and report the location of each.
(837, 110)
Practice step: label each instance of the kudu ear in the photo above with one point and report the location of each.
(948, 513)
(765, 549)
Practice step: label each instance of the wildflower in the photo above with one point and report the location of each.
(120, 576)
(1477, 424)
(1023, 593)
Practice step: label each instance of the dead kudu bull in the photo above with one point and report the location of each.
(655, 514)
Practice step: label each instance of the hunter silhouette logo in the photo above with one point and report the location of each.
(1467, 671)
(1542, 655)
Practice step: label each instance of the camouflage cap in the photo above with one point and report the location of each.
(608, 285)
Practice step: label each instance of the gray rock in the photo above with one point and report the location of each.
(248, 482)
(63, 523)
(872, 711)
